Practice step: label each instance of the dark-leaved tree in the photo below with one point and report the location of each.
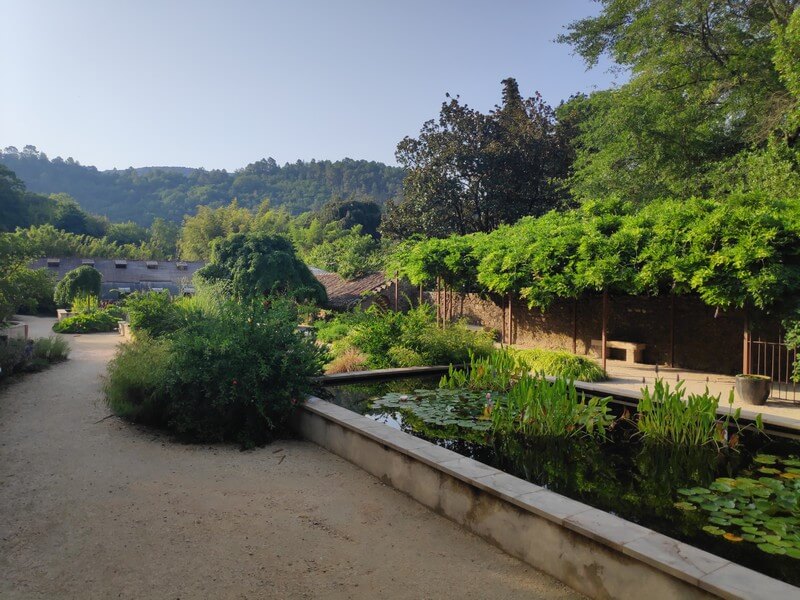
(469, 171)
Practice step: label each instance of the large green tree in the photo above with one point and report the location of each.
(709, 80)
(259, 264)
(469, 171)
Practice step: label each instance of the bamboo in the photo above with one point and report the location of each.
(575, 326)
(672, 330)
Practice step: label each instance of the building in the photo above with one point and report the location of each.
(126, 276)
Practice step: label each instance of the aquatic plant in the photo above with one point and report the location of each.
(442, 407)
(496, 372)
(761, 507)
(664, 417)
(536, 407)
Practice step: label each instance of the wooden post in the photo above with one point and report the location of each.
(575, 326)
(420, 295)
(510, 321)
(603, 352)
(672, 329)
(505, 341)
(746, 345)
(396, 291)
(438, 298)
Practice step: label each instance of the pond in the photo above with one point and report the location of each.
(740, 504)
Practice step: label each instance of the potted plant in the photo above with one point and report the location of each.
(753, 389)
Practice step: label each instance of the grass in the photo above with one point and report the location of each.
(558, 363)
(51, 349)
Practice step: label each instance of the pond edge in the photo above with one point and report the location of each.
(594, 552)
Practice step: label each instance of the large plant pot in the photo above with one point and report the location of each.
(753, 389)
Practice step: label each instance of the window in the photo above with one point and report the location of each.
(121, 264)
(151, 264)
(53, 262)
(182, 266)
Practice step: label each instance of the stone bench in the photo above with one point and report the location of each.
(634, 352)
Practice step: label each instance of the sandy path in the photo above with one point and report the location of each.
(93, 508)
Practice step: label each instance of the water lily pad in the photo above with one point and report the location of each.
(719, 521)
(771, 549)
(769, 470)
(732, 537)
(793, 552)
(713, 530)
(685, 506)
(766, 459)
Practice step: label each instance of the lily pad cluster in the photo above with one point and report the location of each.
(442, 407)
(762, 507)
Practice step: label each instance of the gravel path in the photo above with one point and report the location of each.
(91, 507)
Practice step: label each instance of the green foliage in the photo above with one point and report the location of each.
(51, 349)
(497, 372)
(20, 287)
(171, 193)
(395, 339)
(97, 321)
(536, 408)
(208, 225)
(740, 252)
(440, 409)
(470, 171)
(665, 417)
(761, 506)
(235, 376)
(709, 80)
(34, 289)
(82, 281)
(137, 379)
(560, 364)
(260, 264)
(346, 252)
(18, 355)
(156, 314)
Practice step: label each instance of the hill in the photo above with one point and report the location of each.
(143, 194)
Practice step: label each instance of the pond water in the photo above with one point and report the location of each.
(741, 505)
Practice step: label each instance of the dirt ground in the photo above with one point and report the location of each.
(91, 507)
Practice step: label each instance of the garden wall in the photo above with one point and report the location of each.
(704, 340)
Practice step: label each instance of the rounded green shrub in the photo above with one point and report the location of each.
(83, 281)
(96, 321)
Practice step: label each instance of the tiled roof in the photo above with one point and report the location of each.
(343, 294)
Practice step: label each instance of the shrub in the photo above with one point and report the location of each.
(394, 339)
(84, 303)
(85, 280)
(89, 322)
(236, 376)
(51, 349)
(561, 364)
(400, 356)
(14, 353)
(351, 359)
(36, 288)
(137, 380)
(156, 314)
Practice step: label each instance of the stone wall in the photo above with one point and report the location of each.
(704, 339)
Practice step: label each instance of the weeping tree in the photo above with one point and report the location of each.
(259, 264)
(82, 281)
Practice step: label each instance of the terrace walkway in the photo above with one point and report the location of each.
(629, 377)
(91, 507)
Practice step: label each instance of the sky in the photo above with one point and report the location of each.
(222, 84)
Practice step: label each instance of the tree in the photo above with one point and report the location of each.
(209, 224)
(709, 80)
(470, 172)
(126, 233)
(258, 264)
(82, 281)
(13, 211)
(352, 212)
(163, 238)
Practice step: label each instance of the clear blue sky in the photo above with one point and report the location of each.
(221, 84)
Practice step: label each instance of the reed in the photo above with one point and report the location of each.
(536, 407)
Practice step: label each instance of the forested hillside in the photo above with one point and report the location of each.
(144, 194)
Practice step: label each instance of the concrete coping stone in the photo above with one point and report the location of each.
(382, 373)
(693, 565)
